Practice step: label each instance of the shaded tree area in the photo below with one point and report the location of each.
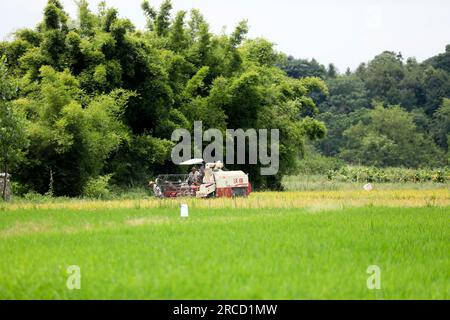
(388, 112)
(13, 138)
(100, 98)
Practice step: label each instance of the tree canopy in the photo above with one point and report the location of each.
(92, 96)
(419, 90)
(100, 97)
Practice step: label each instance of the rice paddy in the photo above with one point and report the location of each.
(259, 200)
(271, 245)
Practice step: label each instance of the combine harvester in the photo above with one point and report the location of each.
(215, 182)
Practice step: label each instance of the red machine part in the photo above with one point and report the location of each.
(238, 190)
(227, 184)
(180, 192)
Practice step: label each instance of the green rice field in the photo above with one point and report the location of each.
(226, 252)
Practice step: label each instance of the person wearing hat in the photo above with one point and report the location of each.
(156, 189)
(192, 176)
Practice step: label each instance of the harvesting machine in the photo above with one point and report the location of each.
(213, 181)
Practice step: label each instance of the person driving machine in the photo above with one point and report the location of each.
(193, 176)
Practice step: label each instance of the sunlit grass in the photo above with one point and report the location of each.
(289, 199)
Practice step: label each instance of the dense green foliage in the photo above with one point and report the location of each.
(388, 137)
(387, 112)
(93, 97)
(12, 126)
(101, 97)
(392, 175)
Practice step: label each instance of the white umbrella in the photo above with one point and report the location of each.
(191, 162)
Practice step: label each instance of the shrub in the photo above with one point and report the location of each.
(374, 174)
(315, 163)
(97, 187)
(19, 189)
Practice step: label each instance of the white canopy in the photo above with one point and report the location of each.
(191, 162)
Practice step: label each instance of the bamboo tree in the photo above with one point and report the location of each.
(12, 132)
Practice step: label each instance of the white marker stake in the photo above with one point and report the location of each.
(184, 210)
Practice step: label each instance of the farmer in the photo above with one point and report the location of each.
(193, 176)
(156, 189)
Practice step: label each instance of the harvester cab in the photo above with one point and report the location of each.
(213, 182)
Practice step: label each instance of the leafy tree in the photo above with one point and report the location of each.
(441, 125)
(86, 19)
(421, 120)
(382, 77)
(336, 124)
(389, 138)
(239, 33)
(178, 38)
(162, 19)
(347, 94)
(66, 139)
(200, 47)
(436, 84)
(332, 71)
(282, 107)
(412, 93)
(417, 87)
(260, 51)
(299, 68)
(13, 138)
(150, 13)
(440, 61)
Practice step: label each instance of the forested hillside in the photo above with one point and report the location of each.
(91, 98)
(388, 112)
